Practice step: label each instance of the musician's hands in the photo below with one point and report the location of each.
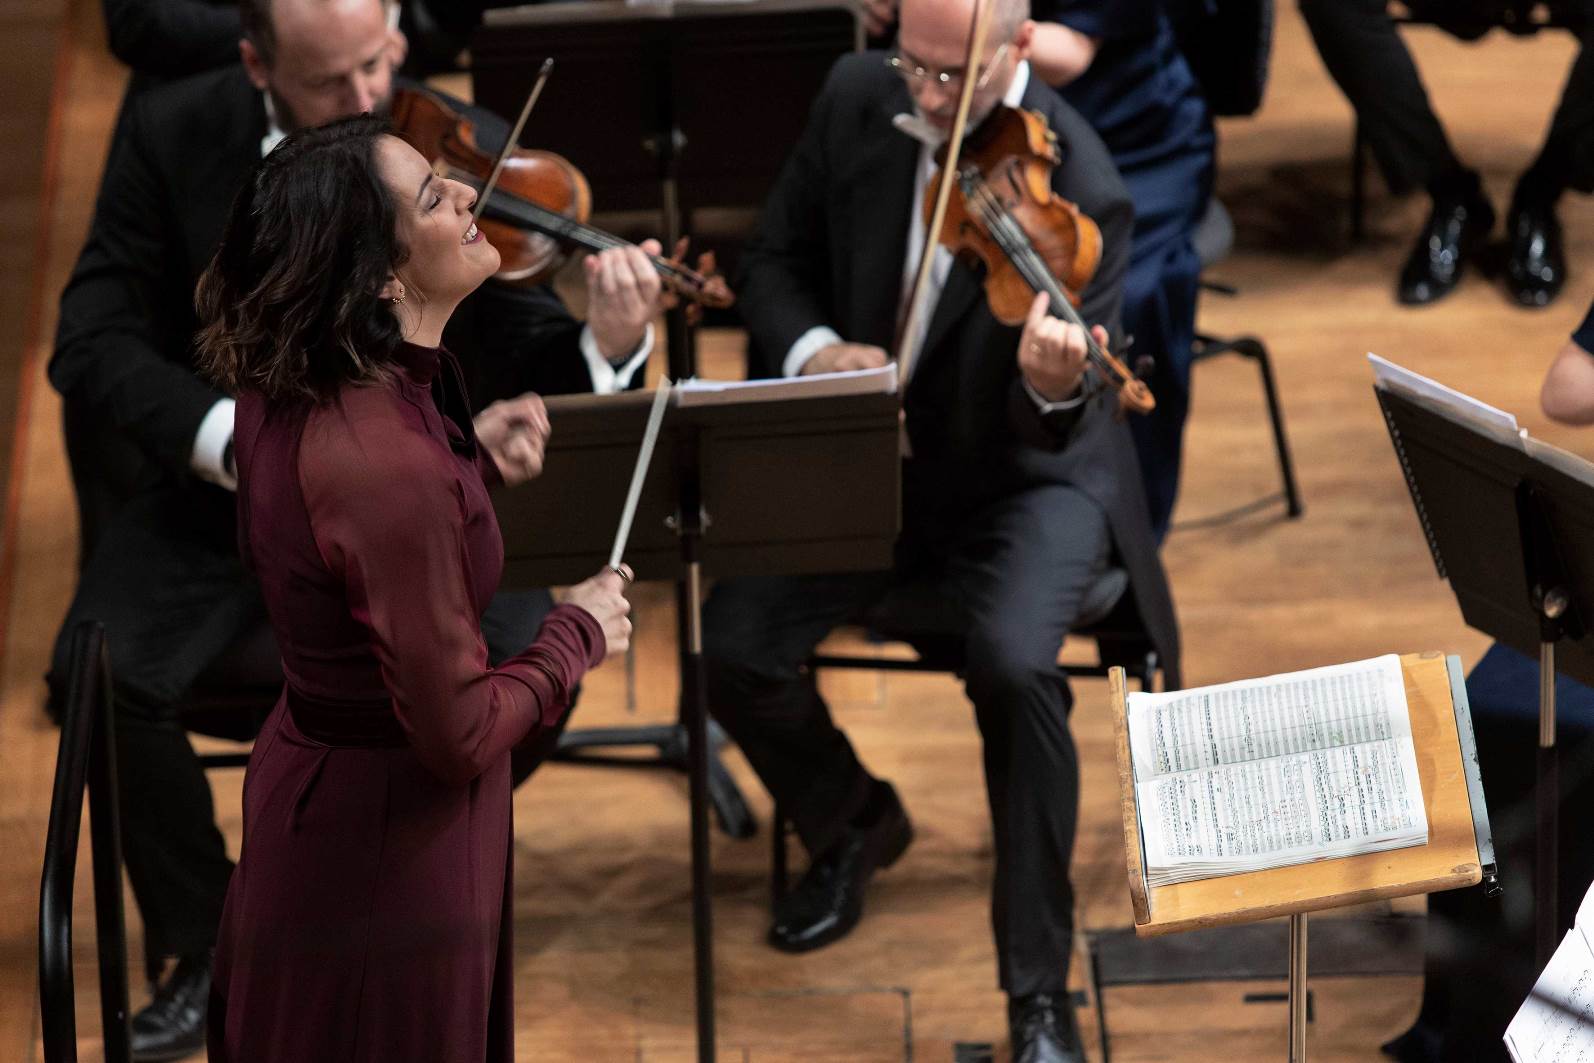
(840, 357)
(623, 296)
(602, 597)
(1051, 352)
(878, 16)
(515, 433)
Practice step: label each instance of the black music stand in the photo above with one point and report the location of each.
(1510, 524)
(799, 485)
(634, 88)
(685, 111)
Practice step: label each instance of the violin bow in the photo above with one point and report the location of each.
(981, 23)
(513, 140)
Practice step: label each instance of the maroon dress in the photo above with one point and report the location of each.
(368, 918)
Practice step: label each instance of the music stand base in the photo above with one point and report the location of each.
(671, 750)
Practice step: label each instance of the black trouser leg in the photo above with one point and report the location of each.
(1362, 49)
(1567, 158)
(758, 633)
(1023, 575)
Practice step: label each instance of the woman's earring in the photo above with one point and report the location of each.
(399, 298)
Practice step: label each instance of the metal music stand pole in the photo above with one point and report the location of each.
(1298, 988)
(1547, 591)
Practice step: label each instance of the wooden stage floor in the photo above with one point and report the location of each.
(602, 906)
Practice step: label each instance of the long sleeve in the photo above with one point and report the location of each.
(122, 342)
(389, 509)
(172, 38)
(513, 340)
(784, 272)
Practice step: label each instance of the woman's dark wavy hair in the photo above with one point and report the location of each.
(290, 305)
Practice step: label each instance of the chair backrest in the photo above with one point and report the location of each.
(1214, 234)
(1228, 44)
(86, 759)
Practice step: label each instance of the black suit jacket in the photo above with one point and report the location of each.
(830, 250)
(124, 355)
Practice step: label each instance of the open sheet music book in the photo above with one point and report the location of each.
(1269, 772)
(1556, 1023)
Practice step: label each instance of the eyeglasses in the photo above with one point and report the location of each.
(914, 74)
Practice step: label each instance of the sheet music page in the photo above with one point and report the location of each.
(1556, 1023)
(695, 392)
(1387, 373)
(1265, 772)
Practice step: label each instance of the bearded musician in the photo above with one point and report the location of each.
(1020, 492)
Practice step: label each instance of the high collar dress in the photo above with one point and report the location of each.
(369, 918)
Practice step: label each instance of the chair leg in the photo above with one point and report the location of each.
(1101, 1004)
(777, 862)
(1254, 349)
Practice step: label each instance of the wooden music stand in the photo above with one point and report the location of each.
(1459, 851)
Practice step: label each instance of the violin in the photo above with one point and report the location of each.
(538, 209)
(1029, 239)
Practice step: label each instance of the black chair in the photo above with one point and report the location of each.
(86, 758)
(1214, 239)
(916, 615)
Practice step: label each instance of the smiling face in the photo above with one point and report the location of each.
(448, 256)
(934, 35)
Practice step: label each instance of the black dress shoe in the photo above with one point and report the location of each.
(1043, 1030)
(1536, 270)
(828, 901)
(173, 1024)
(1456, 228)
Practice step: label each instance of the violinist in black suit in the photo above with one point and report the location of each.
(1022, 487)
(150, 442)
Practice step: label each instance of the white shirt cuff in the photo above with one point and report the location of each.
(210, 445)
(808, 344)
(608, 378)
(1045, 405)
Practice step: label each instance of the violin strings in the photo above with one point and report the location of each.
(558, 225)
(1013, 241)
(1016, 244)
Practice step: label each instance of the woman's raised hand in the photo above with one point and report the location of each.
(602, 596)
(515, 433)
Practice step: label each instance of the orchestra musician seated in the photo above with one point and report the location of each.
(150, 442)
(1021, 487)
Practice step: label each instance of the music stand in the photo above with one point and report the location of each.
(733, 82)
(684, 112)
(787, 486)
(1510, 525)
